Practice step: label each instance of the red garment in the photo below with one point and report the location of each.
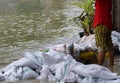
(103, 13)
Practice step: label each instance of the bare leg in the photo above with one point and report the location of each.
(111, 54)
(101, 57)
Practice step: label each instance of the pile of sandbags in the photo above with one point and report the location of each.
(56, 65)
(88, 42)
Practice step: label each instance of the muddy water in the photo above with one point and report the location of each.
(28, 25)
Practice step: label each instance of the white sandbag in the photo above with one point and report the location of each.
(101, 72)
(25, 62)
(78, 69)
(88, 80)
(59, 47)
(1, 76)
(35, 57)
(108, 81)
(59, 51)
(116, 39)
(62, 70)
(15, 73)
(56, 54)
(114, 33)
(28, 73)
(19, 73)
(76, 49)
(63, 73)
(41, 58)
(50, 60)
(59, 57)
(94, 71)
(52, 78)
(87, 42)
(119, 45)
(79, 79)
(44, 73)
(71, 77)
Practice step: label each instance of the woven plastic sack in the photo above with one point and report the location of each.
(94, 71)
(28, 73)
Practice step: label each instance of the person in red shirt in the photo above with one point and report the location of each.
(102, 25)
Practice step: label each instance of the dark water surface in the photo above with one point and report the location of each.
(28, 25)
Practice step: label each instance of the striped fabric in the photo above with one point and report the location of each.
(103, 38)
